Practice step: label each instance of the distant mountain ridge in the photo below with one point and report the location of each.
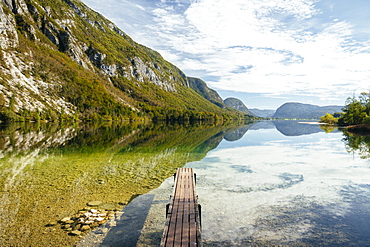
(237, 104)
(294, 110)
(262, 113)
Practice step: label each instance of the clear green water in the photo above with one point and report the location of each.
(263, 184)
(278, 183)
(286, 183)
(48, 172)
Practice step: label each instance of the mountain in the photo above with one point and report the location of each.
(201, 88)
(262, 113)
(294, 110)
(61, 60)
(237, 104)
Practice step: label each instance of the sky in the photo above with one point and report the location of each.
(264, 52)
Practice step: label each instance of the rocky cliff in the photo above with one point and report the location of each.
(60, 59)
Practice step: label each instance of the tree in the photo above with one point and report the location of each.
(329, 119)
(365, 101)
(355, 111)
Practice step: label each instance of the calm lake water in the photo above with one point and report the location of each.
(285, 184)
(276, 183)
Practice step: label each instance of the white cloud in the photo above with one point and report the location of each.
(273, 47)
(274, 38)
(140, 7)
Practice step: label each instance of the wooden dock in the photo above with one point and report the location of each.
(183, 217)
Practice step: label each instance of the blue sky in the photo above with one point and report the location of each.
(265, 52)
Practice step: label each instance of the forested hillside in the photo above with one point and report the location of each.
(59, 60)
(237, 104)
(293, 110)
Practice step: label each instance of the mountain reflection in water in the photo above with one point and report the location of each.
(294, 185)
(302, 188)
(268, 183)
(285, 127)
(50, 171)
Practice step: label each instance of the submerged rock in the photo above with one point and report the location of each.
(75, 233)
(53, 223)
(85, 220)
(67, 226)
(85, 228)
(94, 203)
(65, 219)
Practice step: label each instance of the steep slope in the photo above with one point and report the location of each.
(61, 60)
(201, 88)
(237, 104)
(304, 111)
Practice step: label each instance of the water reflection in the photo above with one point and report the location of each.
(296, 128)
(237, 134)
(357, 143)
(268, 189)
(49, 172)
(293, 185)
(286, 191)
(285, 127)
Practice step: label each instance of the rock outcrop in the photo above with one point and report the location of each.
(61, 57)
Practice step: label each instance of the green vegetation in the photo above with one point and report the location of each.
(329, 119)
(239, 105)
(50, 171)
(100, 73)
(293, 110)
(357, 144)
(355, 112)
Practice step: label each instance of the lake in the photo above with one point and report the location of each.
(279, 186)
(271, 183)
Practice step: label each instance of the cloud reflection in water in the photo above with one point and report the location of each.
(284, 190)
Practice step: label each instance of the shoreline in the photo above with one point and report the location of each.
(312, 123)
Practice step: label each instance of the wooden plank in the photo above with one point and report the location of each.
(174, 216)
(180, 211)
(187, 199)
(197, 225)
(167, 239)
(193, 237)
(182, 227)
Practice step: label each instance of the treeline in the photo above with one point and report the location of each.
(355, 112)
(113, 112)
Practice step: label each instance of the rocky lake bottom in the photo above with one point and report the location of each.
(265, 184)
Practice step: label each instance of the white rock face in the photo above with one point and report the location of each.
(8, 33)
(143, 72)
(22, 89)
(21, 85)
